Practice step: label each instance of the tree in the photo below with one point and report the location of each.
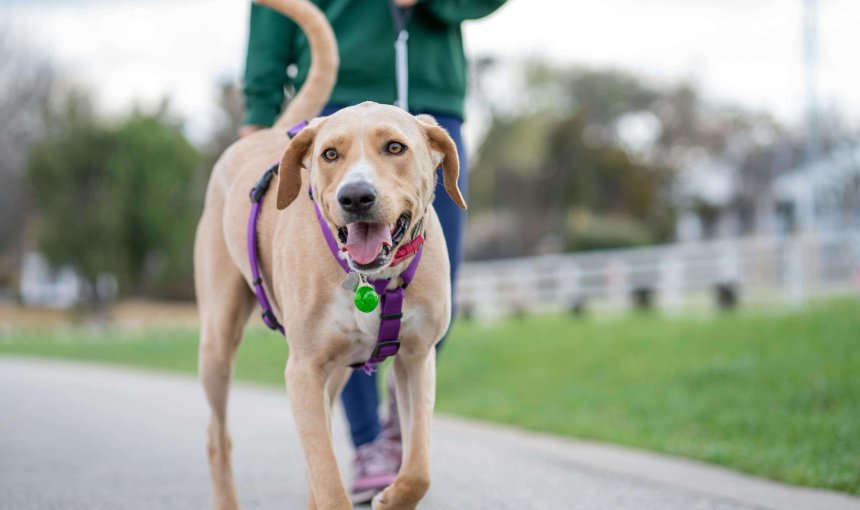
(155, 167)
(116, 200)
(559, 173)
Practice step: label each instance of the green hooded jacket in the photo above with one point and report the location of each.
(365, 36)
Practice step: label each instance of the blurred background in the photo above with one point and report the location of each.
(590, 127)
(695, 158)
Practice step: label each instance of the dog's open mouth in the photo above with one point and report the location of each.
(369, 244)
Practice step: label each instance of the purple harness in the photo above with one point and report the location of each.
(391, 309)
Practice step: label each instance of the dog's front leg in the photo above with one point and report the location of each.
(415, 378)
(306, 388)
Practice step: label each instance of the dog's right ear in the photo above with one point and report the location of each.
(290, 169)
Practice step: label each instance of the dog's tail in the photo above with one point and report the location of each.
(315, 92)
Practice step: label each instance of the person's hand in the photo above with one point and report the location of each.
(404, 4)
(247, 129)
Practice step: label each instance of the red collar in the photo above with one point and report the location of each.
(406, 250)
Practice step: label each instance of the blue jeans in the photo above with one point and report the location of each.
(360, 396)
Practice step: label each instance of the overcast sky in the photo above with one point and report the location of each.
(739, 51)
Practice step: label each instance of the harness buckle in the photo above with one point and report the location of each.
(269, 319)
(263, 183)
(386, 348)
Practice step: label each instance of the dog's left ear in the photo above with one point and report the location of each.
(290, 169)
(442, 144)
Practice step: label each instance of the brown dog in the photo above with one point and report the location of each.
(378, 152)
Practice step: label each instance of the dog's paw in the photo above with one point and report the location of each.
(376, 503)
(386, 501)
(404, 494)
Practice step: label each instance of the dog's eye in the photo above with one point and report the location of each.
(329, 154)
(395, 148)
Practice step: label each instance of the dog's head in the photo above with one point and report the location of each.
(373, 173)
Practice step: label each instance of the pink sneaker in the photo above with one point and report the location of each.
(376, 464)
(374, 468)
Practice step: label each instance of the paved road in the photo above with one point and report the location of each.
(92, 437)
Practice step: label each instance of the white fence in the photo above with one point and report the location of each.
(672, 277)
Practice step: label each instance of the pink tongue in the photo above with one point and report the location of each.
(365, 240)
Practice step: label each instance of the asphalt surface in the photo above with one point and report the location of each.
(80, 436)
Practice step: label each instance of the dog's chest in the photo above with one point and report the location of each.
(362, 329)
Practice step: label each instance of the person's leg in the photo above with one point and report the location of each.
(361, 402)
(453, 218)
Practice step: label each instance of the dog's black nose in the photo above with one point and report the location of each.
(356, 197)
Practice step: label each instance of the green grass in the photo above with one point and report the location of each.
(776, 395)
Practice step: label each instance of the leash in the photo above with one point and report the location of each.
(391, 311)
(400, 18)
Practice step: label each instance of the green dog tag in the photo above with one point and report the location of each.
(366, 299)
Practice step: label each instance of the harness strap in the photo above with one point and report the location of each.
(293, 131)
(329, 237)
(257, 193)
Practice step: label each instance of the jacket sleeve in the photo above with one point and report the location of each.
(270, 51)
(458, 11)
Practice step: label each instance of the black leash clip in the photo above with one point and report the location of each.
(263, 183)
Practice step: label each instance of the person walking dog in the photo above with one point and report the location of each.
(403, 52)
